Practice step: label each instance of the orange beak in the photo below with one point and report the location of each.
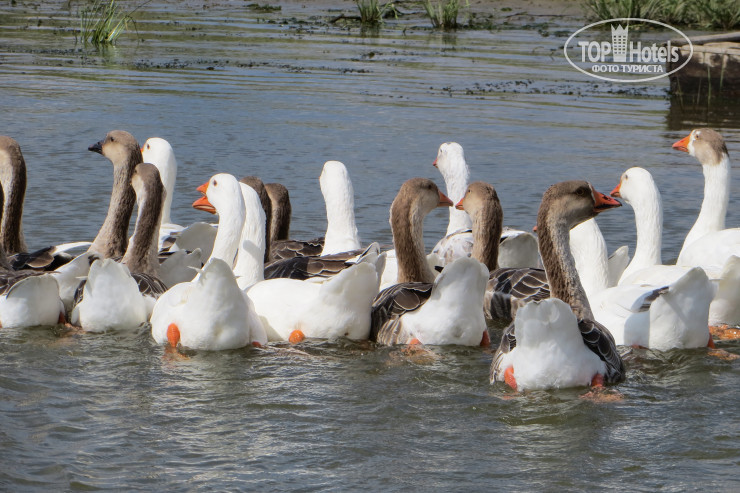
(683, 144)
(203, 188)
(202, 204)
(459, 205)
(444, 200)
(603, 202)
(615, 192)
(435, 162)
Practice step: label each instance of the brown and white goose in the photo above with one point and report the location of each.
(507, 288)
(13, 181)
(122, 295)
(121, 148)
(422, 309)
(555, 343)
(27, 298)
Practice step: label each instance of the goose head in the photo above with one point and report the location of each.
(451, 161)
(572, 202)
(704, 144)
(479, 196)
(159, 152)
(119, 146)
(636, 185)
(418, 197)
(220, 194)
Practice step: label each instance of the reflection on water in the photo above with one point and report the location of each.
(276, 100)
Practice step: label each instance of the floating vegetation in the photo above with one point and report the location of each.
(264, 8)
(103, 22)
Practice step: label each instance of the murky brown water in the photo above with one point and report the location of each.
(272, 96)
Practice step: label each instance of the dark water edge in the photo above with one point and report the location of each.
(234, 92)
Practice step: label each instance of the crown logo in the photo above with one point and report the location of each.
(619, 44)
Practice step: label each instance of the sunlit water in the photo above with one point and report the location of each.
(235, 93)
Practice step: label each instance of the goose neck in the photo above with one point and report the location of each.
(560, 265)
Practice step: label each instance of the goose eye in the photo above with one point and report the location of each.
(147, 146)
(215, 183)
(580, 192)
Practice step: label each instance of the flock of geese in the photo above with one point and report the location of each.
(244, 281)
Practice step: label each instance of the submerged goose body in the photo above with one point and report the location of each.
(546, 347)
(420, 308)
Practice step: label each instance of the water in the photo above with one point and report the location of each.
(276, 99)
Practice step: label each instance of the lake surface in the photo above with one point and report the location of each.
(276, 95)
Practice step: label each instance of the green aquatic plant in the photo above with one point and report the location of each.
(443, 15)
(615, 9)
(372, 13)
(712, 14)
(722, 14)
(102, 22)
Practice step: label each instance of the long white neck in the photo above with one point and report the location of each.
(168, 180)
(230, 222)
(456, 182)
(716, 199)
(250, 266)
(649, 224)
(341, 230)
(588, 248)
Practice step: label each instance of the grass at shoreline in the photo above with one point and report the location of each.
(706, 14)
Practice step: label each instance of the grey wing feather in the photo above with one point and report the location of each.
(390, 305)
(508, 342)
(283, 249)
(510, 288)
(599, 340)
(149, 285)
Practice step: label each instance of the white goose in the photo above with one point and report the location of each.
(222, 195)
(339, 197)
(420, 308)
(209, 313)
(555, 343)
(518, 248)
(291, 309)
(119, 296)
(637, 188)
(656, 316)
(708, 244)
